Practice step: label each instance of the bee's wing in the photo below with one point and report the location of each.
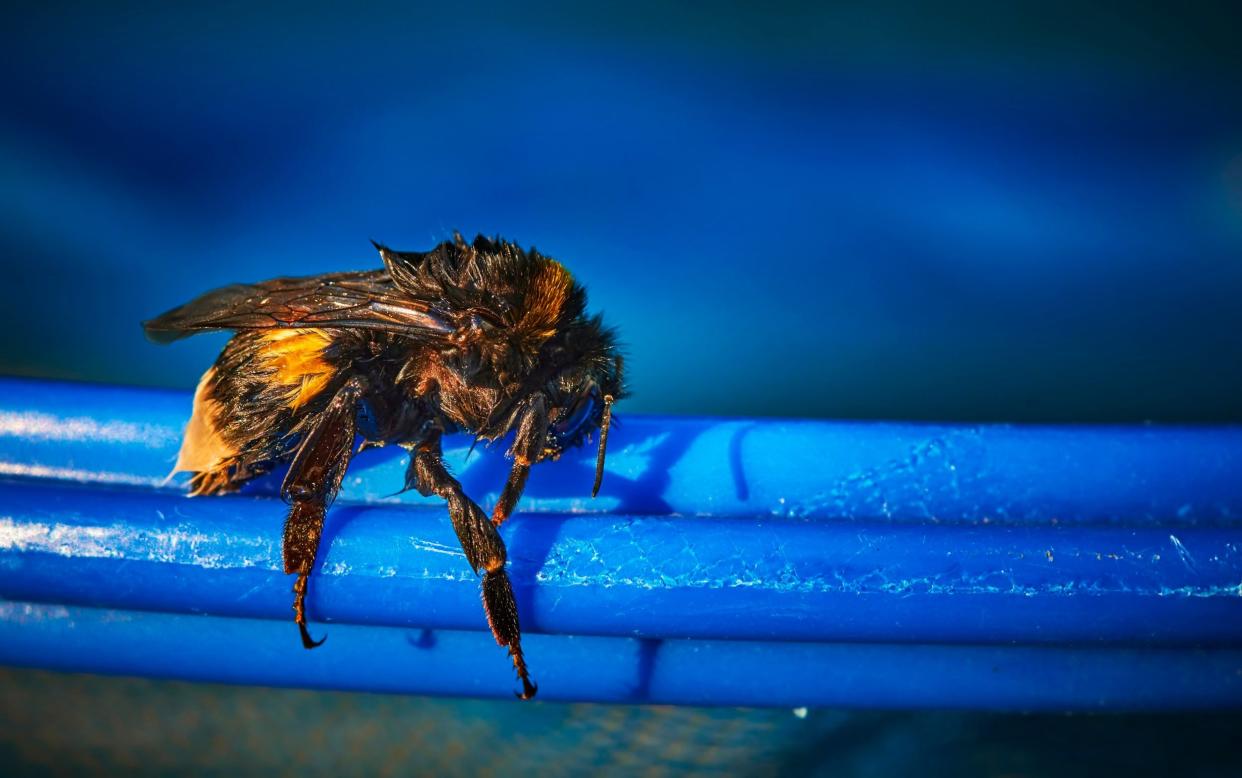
(363, 300)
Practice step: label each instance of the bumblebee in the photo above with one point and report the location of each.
(484, 338)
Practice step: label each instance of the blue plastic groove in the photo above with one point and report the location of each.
(757, 562)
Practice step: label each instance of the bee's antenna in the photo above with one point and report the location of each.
(603, 444)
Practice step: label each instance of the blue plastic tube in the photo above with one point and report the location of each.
(660, 577)
(726, 562)
(717, 467)
(699, 672)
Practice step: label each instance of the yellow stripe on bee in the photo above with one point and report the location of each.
(546, 297)
(295, 357)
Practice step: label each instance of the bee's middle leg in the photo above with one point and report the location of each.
(484, 549)
(312, 483)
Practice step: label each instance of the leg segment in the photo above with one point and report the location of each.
(484, 551)
(311, 485)
(527, 448)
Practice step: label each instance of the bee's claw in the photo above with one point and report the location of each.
(306, 638)
(529, 689)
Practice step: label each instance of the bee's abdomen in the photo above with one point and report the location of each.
(249, 404)
(204, 451)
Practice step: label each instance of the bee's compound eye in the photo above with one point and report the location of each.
(570, 423)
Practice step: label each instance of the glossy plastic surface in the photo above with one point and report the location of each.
(657, 576)
(716, 467)
(725, 562)
(700, 672)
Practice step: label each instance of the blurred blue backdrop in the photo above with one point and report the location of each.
(905, 214)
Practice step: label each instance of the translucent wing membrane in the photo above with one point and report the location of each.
(362, 300)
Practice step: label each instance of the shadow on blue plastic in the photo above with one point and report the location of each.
(717, 467)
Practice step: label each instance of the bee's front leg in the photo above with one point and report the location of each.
(312, 483)
(484, 551)
(528, 446)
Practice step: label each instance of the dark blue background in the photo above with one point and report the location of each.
(894, 213)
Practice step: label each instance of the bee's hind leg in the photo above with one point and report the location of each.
(485, 551)
(312, 483)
